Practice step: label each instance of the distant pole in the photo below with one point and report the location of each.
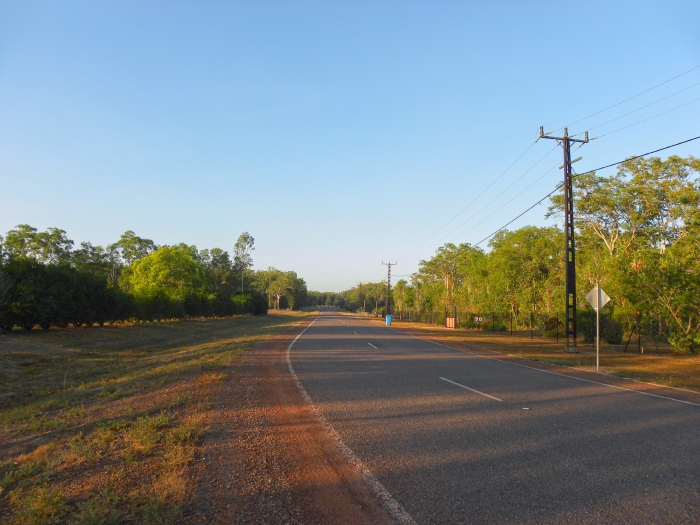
(388, 284)
(570, 259)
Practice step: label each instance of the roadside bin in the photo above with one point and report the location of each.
(388, 320)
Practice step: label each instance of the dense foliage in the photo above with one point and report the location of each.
(45, 282)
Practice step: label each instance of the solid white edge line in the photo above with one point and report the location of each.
(393, 506)
(370, 344)
(499, 359)
(471, 389)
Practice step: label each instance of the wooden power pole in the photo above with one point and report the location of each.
(388, 282)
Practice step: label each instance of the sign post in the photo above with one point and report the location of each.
(597, 298)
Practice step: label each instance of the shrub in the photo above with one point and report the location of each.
(610, 330)
(685, 344)
(488, 326)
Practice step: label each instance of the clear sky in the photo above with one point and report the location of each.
(338, 134)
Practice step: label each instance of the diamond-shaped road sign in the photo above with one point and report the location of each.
(597, 298)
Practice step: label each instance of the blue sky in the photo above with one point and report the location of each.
(338, 134)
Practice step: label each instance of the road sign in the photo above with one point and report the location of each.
(597, 298)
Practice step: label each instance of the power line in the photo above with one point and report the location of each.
(643, 107)
(468, 205)
(512, 199)
(627, 99)
(498, 209)
(649, 118)
(429, 247)
(579, 175)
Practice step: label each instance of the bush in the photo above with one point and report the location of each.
(610, 330)
(488, 326)
(156, 306)
(550, 325)
(685, 344)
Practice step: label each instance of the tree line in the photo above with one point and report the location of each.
(637, 235)
(45, 281)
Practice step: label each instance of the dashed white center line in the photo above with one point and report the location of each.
(471, 389)
(370, 344)
(355, 332)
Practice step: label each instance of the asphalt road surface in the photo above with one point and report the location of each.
(459, 438)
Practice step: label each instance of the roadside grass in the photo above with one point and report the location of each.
(99, 425)
(662, 367)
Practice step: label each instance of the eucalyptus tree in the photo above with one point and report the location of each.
(49, 247)
(131, 247)
(243, 259)
(95, 260)
(402, 295)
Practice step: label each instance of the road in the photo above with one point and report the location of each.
(459, 438)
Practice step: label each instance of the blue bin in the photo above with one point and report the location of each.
(388, 320)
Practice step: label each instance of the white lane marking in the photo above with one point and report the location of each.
(393, 506)
(370, 344)
(605, 384)
(501, 360)
(355, 332)
(471, 389)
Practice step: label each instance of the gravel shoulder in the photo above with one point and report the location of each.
(268, 459)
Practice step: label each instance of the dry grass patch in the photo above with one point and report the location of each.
(211, 377)
(100, 425)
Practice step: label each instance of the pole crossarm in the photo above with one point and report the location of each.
(566, 136)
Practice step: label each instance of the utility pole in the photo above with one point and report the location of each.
(570, 256)
(388, 283)
(359, 296)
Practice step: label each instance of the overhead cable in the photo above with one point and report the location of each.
(643, 107)
(416, 254)
(627, 99)
(649, 118)
(468, 205)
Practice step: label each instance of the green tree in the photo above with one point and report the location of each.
(131, 247)
(168, 269)
(400, 294)
(49, 247)
(243, 260)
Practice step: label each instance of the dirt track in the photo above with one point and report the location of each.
(267, 458)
